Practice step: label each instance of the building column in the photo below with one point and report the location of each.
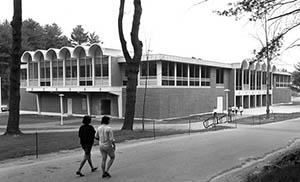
(27, 76)
(78, 71)
(51, 72)
(234, 87)
(64, 72)
(120, 102)
(242, 101)
(88, 96)
(159, 73)
(39, 74)
(109, 71)
(175, 74)
(61, 109)
(93, 71)
(38, 103)
(249, 100)
(242, 79)
(188, 74)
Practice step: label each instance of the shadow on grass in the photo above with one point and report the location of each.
(23, 145)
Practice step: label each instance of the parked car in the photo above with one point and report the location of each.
(4, 108)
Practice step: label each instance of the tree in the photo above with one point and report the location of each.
(270, 14)
(33, 35)
(296, 76)
(79, 36)
(14, 77)
(53, 37)
(132, 63)
(94, 38)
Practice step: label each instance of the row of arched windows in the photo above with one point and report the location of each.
(79, 66)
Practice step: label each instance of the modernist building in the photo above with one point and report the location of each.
(91, 80)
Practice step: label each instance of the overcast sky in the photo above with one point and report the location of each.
(169, 26)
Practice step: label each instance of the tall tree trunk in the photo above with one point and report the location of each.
(14, 77)
(132, 72)
(132, 63)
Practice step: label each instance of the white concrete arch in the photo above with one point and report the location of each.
(258, 66)
(274, 69)
(27, 56)
(39, 55)
(52, 54)
(264, 67)
(80, 51)
(95, 50)
(252, 66)
(245, 65)
(65, 52)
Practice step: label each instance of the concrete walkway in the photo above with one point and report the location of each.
(198, 157)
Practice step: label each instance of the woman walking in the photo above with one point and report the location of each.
(86, 135)
(107, 145)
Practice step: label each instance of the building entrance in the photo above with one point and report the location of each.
(105, 107)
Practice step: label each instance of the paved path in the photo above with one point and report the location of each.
(198, 157)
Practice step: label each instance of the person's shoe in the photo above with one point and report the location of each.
(107, 174)
(94, 169)
(104, 175)
(79, 173)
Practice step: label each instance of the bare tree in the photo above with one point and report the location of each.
(276, 19)
(14, 77)
(132, 62)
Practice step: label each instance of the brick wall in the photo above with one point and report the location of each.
(27, 101)
(176, 102)
(281, 95)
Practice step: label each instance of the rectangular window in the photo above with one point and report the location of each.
(168, 69)
(238, 81)
(258, 80)
(148, 68)
(105, 66)
(182, 76)
(264, 78)
(23, 74)
(219, 76)
(205, 76)
(194, 75)
(252, 80)
(246, 77)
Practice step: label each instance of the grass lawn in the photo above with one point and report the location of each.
(18, 146)
(33, 119)
(261, 119)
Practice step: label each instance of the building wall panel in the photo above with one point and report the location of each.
(281, 95)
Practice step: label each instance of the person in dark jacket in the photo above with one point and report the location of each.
(86, 135)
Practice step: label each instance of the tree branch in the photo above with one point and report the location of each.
(136, 43)
(121, 33)
(285, 14)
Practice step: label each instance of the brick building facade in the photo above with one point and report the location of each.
(91, 80)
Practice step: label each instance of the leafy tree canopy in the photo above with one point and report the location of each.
(79, 35)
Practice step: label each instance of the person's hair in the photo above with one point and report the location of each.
(105, 120)
(86, 120)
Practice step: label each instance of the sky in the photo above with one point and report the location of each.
(173, 27)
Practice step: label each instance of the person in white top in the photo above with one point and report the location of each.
(107, 145)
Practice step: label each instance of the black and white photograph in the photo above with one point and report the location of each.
(150, 90)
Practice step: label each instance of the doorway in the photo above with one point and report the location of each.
(105, 107)
(220, 104)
